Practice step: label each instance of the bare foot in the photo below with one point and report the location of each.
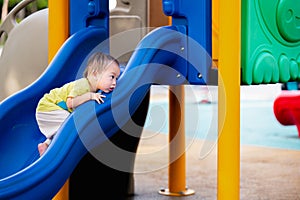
(42, 147)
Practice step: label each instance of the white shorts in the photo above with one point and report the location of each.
(49, 122)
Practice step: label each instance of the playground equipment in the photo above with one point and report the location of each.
(81, 46)
(88, 32)
(178, 43)
(130, 18)
(270, 42)
(286, 108)
(25, 53)
(32, 33)
(285, 49)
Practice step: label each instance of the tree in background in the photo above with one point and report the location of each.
(7, 5)
(4, 10)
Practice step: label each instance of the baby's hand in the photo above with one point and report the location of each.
(98, 97)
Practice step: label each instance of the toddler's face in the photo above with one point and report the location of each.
(108, 79)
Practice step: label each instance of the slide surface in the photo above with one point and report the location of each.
(25, 175)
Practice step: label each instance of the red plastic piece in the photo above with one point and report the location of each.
(286, 108)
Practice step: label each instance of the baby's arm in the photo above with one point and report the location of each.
(73, 102)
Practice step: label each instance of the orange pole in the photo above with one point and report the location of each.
(58, 32)
(229, 100)
(177, 178)
(176, 140)
(215, 32)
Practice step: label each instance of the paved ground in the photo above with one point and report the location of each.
(267, 172)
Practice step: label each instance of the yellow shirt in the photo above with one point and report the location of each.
(72, 89)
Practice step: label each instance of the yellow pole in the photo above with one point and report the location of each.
(177, 179)
(229, 100)
(58, 32)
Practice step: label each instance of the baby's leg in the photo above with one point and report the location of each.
(49, 122)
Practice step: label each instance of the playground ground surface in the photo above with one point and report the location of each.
(269, 154)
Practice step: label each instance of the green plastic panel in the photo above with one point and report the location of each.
(270, 41)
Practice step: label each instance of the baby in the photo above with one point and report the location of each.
(101, 73)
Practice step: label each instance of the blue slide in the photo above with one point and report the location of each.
(26, 175)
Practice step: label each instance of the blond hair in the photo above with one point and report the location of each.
(98, 62)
